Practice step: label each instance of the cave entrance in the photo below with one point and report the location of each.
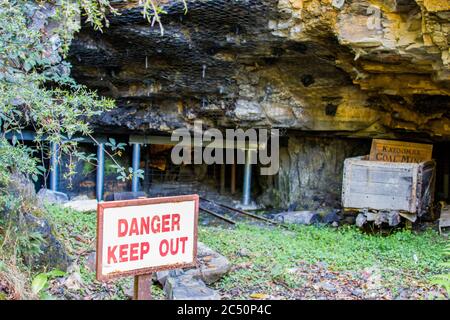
(222, 182)
(441, 154)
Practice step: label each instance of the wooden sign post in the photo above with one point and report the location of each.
(142, 287)
(142, 236)
(400, 151)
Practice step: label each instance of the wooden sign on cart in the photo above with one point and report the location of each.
(400, 151)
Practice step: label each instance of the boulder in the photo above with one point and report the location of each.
(161, 276)
(53, 254)
(349, 219)
(212, 265)
(22, 187)
(186, 287)
(210, 268)
(360, 220)
(392, 218)
(49, 196)
(22, 192)
(298, 217)
(243, 253)
(331, 217)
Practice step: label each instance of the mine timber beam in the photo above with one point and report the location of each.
(28, 135)
(219, 143)
(233, 178)
(222, 178)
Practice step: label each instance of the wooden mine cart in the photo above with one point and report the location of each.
(385, 191)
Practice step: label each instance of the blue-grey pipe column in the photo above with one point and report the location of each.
(100, 171)
(247, 178)
(135, 165)
(54, 167)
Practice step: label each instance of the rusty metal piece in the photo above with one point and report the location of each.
(215, 214)
(243, 212)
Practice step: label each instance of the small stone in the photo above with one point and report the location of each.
(243, 252)
(73, 282)
(371, 216)
(326, 286)
(394, 219)
(357, 292)
(335, 224)
(349, 220)
(361, 220)
(331, 217)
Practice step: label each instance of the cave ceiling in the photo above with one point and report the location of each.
(363, 69)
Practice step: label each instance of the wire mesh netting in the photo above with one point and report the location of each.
(191, 59)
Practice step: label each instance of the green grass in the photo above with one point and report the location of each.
(403, 257)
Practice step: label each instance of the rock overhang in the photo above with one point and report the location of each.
(301, 65)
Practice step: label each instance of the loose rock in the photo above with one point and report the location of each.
(212, 267)
(186, 287)
(331, 217)
(49, 196)
(361, 220)
(298, 217)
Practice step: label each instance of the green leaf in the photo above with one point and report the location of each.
(39, 283)
(56, 273)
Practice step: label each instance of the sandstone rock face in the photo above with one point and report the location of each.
(26, 217)
(53, 253)
(364, 68)
(310, 175)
